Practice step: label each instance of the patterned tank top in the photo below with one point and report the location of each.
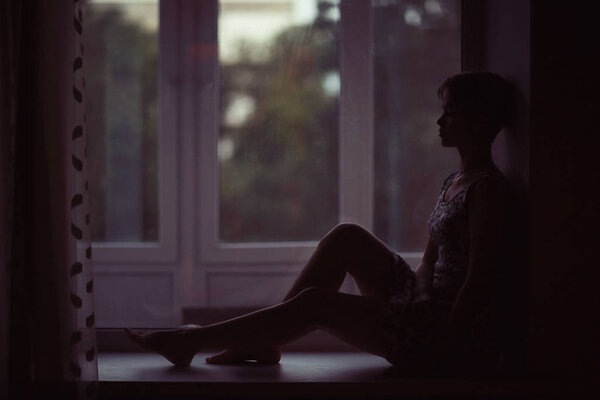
(449, 230)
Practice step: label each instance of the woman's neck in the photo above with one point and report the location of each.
(475, 160)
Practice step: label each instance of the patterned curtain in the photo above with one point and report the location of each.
(51, 335)
(83, 365)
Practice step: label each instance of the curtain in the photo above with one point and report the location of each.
(46, 255)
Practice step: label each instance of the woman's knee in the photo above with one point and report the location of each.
(346, 232)
(309, 300)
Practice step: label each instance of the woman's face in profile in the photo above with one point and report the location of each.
(456, 127)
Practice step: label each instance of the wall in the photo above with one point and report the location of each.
(506, 50)
(563, 219)
(7, 62)
(508, 53)
(496, 37)
(547, 49)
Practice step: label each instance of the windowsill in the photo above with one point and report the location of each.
(347, 374)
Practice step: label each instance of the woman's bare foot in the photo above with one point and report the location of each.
(171, 344)
(268, 355)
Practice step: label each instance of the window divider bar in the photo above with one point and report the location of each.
(356, 113)
(207, 129)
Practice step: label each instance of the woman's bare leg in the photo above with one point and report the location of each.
(357, 320)
(347, 248)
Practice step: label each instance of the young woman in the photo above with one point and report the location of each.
(442, 314)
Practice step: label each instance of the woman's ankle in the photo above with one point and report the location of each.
(193, 336)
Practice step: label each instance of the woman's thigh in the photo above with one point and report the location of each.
(365, 257)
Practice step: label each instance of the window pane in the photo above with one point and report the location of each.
(417, 45)
(279, 119)
(122, 114)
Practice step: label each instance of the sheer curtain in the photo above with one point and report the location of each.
(48, 336)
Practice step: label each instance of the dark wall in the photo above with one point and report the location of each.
(564, 297)
(507, 52)
(549, 50)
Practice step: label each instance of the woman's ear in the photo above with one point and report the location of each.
(482, 128)
(483, 123)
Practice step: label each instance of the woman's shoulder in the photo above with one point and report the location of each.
(493, 180)
(449, 179)
(492, 189)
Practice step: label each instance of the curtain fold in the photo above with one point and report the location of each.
(51, 335)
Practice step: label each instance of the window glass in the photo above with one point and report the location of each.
(278, 143)
(416, 45)
(121, 39)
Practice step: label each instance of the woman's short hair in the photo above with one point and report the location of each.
(484, 93)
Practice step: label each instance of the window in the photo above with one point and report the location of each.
(229, 136)
(274, 115)
(131, 168)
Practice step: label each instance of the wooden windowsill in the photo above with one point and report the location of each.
(299, 375)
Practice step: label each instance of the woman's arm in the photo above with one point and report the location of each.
(489, 216)
(424, 273)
